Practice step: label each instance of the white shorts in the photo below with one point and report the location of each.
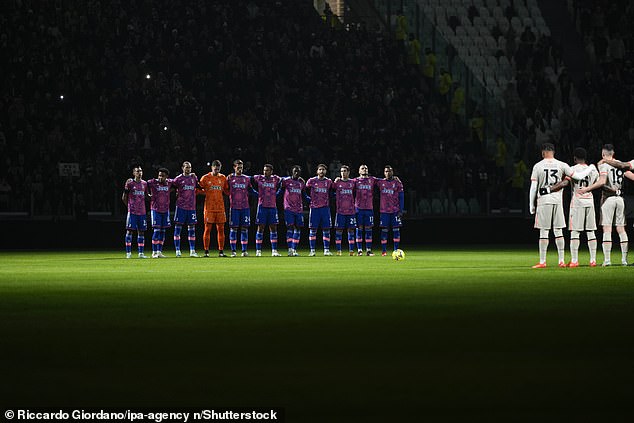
(613, 212)
(582, 219)
(550, 216)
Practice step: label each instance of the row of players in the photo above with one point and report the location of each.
(353, 198)
(548, 178)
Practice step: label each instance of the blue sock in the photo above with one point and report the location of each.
(177, 237)
(325, 235)
(233, 238)
(128, 242)
(191, 236)
(351, 241)
(338, 238)
(259, 237)
(384, 239)
(273, 240)
(289, 238)
(368, 239)
(244, 238)
(312, 238)
(396, 232)
(359, 235)
(140, 242)
(296, 237)
(161, 240)
(156, 240)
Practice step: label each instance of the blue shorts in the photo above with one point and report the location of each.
(160, 220)
(319, 217)
(294, 219)
(365, 218)
(136, 222)
(240, 217)
(390, 220)
(185, 217)
(266, 216)
(345, 221)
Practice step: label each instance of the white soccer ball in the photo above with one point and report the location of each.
(398, 254)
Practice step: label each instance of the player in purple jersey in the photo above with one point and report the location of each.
(267, 185)
(345, 217)
(293, 188)
(319, 191)
(134, 193)
(364, 205)
(185, 214)
(239, 214)
(392, 203)
(159, 189)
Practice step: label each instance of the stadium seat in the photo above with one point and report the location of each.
(436, 206)
(424, 207)
(461, 206)
(474, 206)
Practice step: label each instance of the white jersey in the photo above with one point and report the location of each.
(582, 200)
(547, 173)
(614, 176)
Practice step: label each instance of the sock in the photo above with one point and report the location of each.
(351, 243)
(220, 228)
(207, 236)
(296, 238)
(396, 233)
(592, 245)
(128, 242)
(259, 235)
(273, 238)
(177, 236)
(338, 237)
(140, 242)
(325, 235)
(574, 246)
(191, 237)
(560, 243)
(244, 238)
(312, 239)
(384, 239)
(289, 238)
(607, 246)
(624, 245)
(359, 236)
(543, 245)
(368, 239)
(162, 234)
(156, 240)
(233, 238)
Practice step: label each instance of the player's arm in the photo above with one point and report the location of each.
(560, 185)
(629, 175)
(598, 184)
(401, 202)
(577, 176)
(126, 190)
(280, 189)
(618, 164)
(532, 196)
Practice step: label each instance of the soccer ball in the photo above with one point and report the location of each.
(398, 255)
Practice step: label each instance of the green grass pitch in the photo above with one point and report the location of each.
(470, 334)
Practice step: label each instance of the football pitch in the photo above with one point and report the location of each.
(471, 334)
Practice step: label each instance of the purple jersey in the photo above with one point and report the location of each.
(390, 189)
(238, 191)
(293, 194)
(186, 191)
(319, 191)
(344, 191)
(136, 196)
(160, 193)
(364, 192)
(267, 189)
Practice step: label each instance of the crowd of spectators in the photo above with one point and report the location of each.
(109, 84)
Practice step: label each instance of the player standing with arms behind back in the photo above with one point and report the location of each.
(363, 200)
(392, 199)
(134, 193)
(547, 206)
(213, 185)
(319, 191)
(345, 217)
(612, 205)
(160, 208)
(239, 211)
(293, 187)
(267, 186)
(185, 184)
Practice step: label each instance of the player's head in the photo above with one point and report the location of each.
(267, 170)
(580, 154)
(607, 151)
(363, 170)
(137, 172)
(345, 171)
(296, 171)
(216, 166)
(388, 171)
(187, 168)
(321, 170)
(238, 165)
(548, 149)
(163, 174)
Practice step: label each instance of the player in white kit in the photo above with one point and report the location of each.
(547, 206)
(612, 204)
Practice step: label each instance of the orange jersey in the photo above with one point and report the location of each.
(214, 187)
